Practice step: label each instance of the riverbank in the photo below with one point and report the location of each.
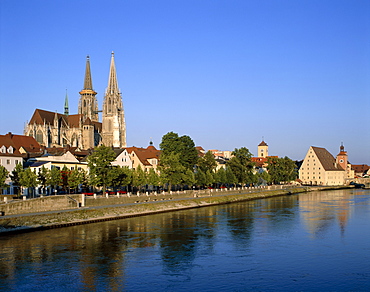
(64, 218)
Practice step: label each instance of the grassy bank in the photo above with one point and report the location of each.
(26, 223)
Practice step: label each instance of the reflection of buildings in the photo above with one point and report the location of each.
(319, 210)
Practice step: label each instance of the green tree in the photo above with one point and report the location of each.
(184, 146)
(230, 176)
(28, 179)
(220, 176)
(171, 169)
(189, 178)
(65, 172)
(120, 176)
(200, 178)
(264, 177)
(42, 178)
(76, 177)
(99, 163)
(207, 162)
(153, 178)
(242, 166)
(281, 169)
(3, 176)
(54, 178)
(15, 175)
(139, 178)
(209, 178)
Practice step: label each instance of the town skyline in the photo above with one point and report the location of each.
(225, 76)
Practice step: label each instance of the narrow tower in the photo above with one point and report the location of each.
(88, 105)
(342, 158)
(263, 149)
(66, 107)
(113, 124)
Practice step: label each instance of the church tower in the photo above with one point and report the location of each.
(263, 149)
(342, 158)
(113, 124)
(88, 105)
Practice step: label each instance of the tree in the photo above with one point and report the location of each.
(184, 146)
(281, 169)
(65, 172)
(42, 178)
(209, 178)
(28, 179)
(200, 178)
(76, 177)
(3, 176)
(99, 163)
(171, 169)
(16, 174)
(153, 178)
(230, 177)
(220, 176)
(264, 177)
(138, 177)
(54, 178)
(120, 176)
(207, 162)
(189, 177)
(242, 166)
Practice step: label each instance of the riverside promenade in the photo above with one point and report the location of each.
(50, 212)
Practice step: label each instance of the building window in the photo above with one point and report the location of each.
(8, 161)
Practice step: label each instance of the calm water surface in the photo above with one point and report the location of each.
(308, 242)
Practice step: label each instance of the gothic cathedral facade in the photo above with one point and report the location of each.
(83, 130)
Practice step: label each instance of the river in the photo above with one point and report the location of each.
(317, 241)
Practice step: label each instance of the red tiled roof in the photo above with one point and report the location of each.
(145, 153)
(41, 116)
(7, 141)
(360, 168)
(263, 143)
(74, 120)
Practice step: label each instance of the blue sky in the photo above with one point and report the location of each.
(226, 73)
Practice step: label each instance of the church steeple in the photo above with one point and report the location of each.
(88, 105)
(112, 81)
(66, 107)
(113, 124)
(88, 80)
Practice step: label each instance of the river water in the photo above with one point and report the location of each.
(317, 241)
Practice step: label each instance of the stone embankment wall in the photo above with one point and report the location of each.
(43, 204)
(113, 208)
(9, 206)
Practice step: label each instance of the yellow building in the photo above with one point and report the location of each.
(319, 167)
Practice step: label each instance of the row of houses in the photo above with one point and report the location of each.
(319, 167)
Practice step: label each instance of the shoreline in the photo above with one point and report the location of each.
(65, 218)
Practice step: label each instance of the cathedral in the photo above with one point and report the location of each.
(83, 130)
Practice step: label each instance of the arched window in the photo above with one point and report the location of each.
(39, 137)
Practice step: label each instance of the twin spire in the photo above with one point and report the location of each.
(112, 81)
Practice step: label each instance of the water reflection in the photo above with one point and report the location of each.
(320, 211)
(118, 255)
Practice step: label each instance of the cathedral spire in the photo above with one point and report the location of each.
(88, 80)
(88, 105)
(112, 81)
(66, 107)
(113, 124)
